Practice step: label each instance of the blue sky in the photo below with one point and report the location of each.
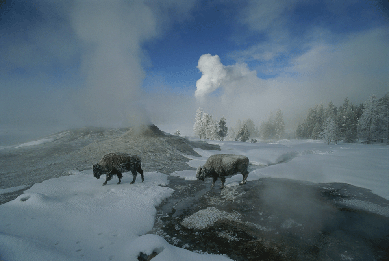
(115, 63)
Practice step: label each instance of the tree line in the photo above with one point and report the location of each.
(206, 127)
(367, 122)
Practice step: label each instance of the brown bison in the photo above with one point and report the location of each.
(222, 165)
(117, 163)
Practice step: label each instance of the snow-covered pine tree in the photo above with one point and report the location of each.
(223, 129)
(198, 127)
(300, 133)
(330, 131)
(279, 125)
(330, 111)
(206, 123)
(213, 130)
(243, 134)
(350, 125)
(267, 128)
(231, 134)
(251, 127)
(372, 124)
(342, 118)
(384, 101)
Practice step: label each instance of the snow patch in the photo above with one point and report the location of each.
(207, 217)
(185, 174)
(13, 189)
(34, 143)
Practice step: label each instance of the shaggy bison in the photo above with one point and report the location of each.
(116, 163)
(222, 165)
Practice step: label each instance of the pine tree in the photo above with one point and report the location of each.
(206, 122)
(251, 127)
(300, 131)
(279, 125)
(267, 128)
(384, 102)
(342, 118)
(372, 124)
(223, 129)
(330, 131)
(213, 130)
(198, 127)
(243, 134)
(350, 125)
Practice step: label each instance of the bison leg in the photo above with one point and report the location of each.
(245, 175)
(223, 179)
(120, 176)
(133, 176)
(141, 173)
(108, 178)
(213, 181)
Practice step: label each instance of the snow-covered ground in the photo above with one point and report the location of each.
(75, 218)
(360, 165)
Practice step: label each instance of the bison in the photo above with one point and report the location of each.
(116, 163)
(222, 165)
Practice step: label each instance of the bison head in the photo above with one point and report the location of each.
(200, 173)
(97, 171)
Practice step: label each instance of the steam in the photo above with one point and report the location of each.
(214, 74)
(230, 78)
(112, 33)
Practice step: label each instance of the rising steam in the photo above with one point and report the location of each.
(112, 33)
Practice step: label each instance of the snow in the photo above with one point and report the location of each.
(12, 189)
(34, 143)
(185, 174)
(360, 165)
(207, 217)
(76, 218)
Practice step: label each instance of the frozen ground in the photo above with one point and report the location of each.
(73, 217)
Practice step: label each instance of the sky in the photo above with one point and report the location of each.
(118, 63)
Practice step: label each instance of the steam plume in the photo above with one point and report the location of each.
(112, 33)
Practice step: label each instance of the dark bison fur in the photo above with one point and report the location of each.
(117, 163)
(222, 165)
